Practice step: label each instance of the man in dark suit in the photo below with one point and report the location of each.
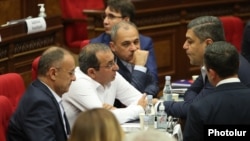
(131, 59)
(202, 31)
(229, 103)
(123, 10)
(245, 47)
(40, 115)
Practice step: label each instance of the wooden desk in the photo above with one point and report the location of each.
(165, 22)
(18, 49)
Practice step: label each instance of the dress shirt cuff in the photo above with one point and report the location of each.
(140, 68)
(157, 104)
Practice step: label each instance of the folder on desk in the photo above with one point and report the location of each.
(183, 83)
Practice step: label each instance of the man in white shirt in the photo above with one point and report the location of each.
(98, 84)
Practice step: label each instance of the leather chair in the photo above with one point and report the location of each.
(5, 114)
(233, 28)
(12, 86)
(84, 43)
(75, 22)
(34, 67)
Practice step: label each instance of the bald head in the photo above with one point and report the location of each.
(124, 25)
(51, 57)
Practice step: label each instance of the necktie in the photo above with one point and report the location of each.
(65, 120)
(67, 124)
(130, 67)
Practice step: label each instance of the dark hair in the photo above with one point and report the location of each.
(223, 58)
(125, 7)
(87, 57)
(207, 27)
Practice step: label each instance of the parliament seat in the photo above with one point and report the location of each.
(75, 22)
(233, 29)
(5, 113)
(12, 86)
(34, 67)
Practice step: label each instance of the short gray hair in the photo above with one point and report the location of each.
(207, 27)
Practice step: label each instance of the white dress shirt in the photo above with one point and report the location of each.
(85, 93)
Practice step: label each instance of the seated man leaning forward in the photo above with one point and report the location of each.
(124, 10)
(98, 84)
(131, 59)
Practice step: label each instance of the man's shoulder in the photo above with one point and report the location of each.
(146, 42)
(99, 39)
(144, 37)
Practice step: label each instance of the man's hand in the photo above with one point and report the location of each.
(140, 57)
(155, 100)
(143, 101)
(108, 106)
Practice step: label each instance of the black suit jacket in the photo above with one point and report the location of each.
(228, 104)
(200, 89)
(37, 117)
(245, 47)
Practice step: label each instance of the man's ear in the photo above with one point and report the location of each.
(209, 41)
(212, 73)
(91, 72)
(112, 46)
(52, 73)
(127, 19)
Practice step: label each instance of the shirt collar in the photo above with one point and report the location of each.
(228, 80)
(57, 97)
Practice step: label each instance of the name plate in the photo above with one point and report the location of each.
(35, 25)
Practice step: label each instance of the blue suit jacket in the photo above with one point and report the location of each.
(144, 82)
(37, 117)
(228, 104)
(146, 44)
(199, 89)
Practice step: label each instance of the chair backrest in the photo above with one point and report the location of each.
(12, 86)
(84, 43)
(34, 67)
(75, 22)
(233, 28)
(5, 114)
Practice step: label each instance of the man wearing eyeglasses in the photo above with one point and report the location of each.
(98, 84)
(123, 10)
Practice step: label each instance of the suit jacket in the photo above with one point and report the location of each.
(228, 104)
(245, 48)
(200, 89)
(144, 82)
(37, 117)
(146, 44)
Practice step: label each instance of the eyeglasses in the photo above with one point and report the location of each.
(110, 16)
(110, 64)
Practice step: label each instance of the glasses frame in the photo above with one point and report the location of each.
(110, 65)
(110, 16)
